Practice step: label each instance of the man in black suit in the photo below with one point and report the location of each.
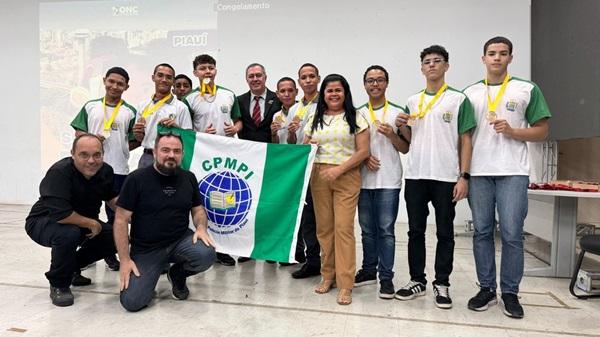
(257, 106)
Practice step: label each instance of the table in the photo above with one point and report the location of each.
(564, 230)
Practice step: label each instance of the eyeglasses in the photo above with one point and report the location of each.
(170, 133)
(432, 61)
(379, 80)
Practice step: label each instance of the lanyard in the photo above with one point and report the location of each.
(150, 110)
(302, 109)
(206, 89)
(422, 112)
(115, 112)
(492, 105)
(372, 112)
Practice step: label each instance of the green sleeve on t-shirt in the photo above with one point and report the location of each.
(466, 116)
(130, 134)
(235, 110)
(80, 122)
(537, 108)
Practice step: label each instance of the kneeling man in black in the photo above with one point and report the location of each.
(66, 216)
(157, 201)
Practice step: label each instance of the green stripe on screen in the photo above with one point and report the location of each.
(285, 167)
(188, 137)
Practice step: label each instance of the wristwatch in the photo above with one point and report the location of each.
(465, 175)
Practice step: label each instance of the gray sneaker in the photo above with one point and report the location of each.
(61, 297)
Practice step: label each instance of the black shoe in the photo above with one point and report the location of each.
(61, 297)
(306, 271)
(79, 280)
(411, 290)
(484, 298)
(271, 261)
(179, 290)
(112, 263)
(442, 296)
(386, 289)
(363, 278)
(243, 259)
(511, 306)
(225, 259)
(287, 264)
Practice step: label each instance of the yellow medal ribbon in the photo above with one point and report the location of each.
(302, 109)
(492, 105)
(372, 112)
(108, 122)
(422, 112)
(150, 110)
(206, 89)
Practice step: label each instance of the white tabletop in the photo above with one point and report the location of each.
(558, 193)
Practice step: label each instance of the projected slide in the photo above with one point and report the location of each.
(79, 41)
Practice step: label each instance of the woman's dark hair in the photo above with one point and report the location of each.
(349, 110)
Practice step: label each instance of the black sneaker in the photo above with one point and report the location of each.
(112, 263)
(306, 271)
(225, 259)
(287, 264)
(511, 306)
(243, 259)
(442, 296)
(79, 280)
(363, 278)
(410, 291)
(179, 289)
(61, 297)
(484, 298)
(386, 289)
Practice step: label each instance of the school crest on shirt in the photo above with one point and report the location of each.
(171, 116)
(511, 105)
(114, 126)
(447, 117)
(225, 109)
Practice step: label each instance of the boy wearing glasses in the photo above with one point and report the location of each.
(66, 215)
(381, 175)
(438, 124)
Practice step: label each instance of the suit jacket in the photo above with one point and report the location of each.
(262, 132)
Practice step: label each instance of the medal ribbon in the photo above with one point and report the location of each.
(115, 112)
(206, 89)
(302, 109)
(492, 105)
(422, 112)
(372, 112)
(150, 110)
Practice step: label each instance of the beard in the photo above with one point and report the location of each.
(165, 169)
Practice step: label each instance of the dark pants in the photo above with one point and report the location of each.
(188, 258)
(118, 180)
(64, 240)
(307, 236)
(418, 194)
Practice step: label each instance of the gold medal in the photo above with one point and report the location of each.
(412, 120)
(106, 133)
(491, 116)
(206, 81)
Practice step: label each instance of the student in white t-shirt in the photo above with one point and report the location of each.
(440, 122)
(286, 92)
(381, 176)
(510, 112)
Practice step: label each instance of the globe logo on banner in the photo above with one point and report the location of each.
(227, 200)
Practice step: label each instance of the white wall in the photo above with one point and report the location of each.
(338, 36)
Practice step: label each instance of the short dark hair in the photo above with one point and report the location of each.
(184, 76)
(376, 67)
(86, 135)
(118, 71)
(435, 49)
(171, 133)
(285, 79)
(254, 65)
(204, 58)
(308, 65)
(164, 65)
(498, 39)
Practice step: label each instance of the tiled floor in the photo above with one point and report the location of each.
(259, 299)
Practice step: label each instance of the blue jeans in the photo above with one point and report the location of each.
(509, 195)
(377, 212)
(191, 258)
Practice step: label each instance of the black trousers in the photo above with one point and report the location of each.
(418, 194)
(307, 235)
(118, 180)
(64, 240)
